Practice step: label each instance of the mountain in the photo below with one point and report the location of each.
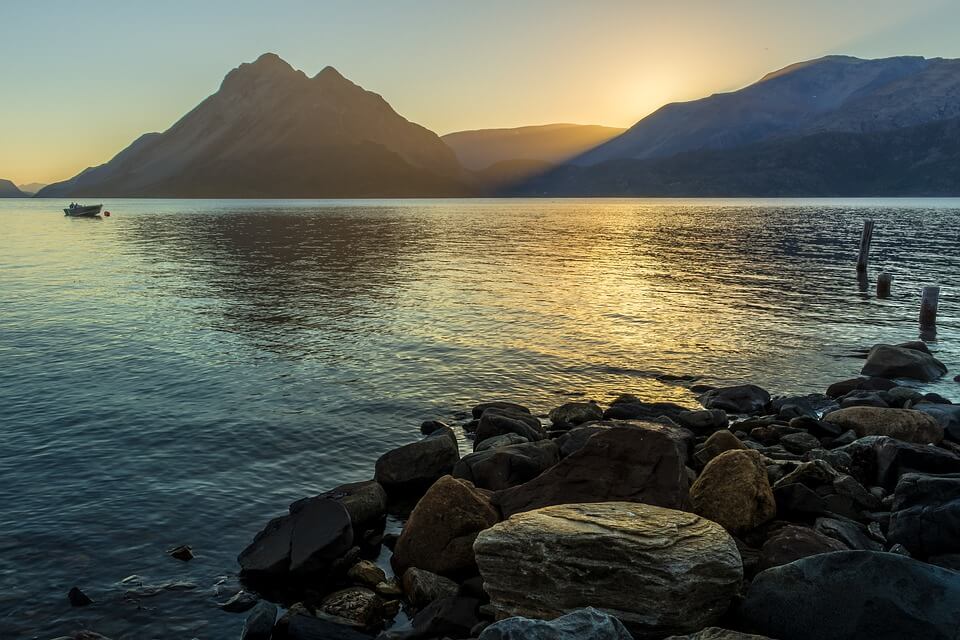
(271, 131)
(10, 190)
(549, 143)
(921, 160)
(830, 94)
(32, 187)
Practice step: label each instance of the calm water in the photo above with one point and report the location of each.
(181, 371)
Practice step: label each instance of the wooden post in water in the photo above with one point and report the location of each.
(865, 239)
(929, 302)
(884, 282)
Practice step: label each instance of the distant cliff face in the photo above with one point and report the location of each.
(271, 131)
(10, 190)
(832, 94)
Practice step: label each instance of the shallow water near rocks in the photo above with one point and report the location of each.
(179, 372)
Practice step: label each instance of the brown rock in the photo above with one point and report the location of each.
(733, 491)
(439, 534)
(716, 444)
(793, 542)
(423, 587)
(904, 424)
(644, 462)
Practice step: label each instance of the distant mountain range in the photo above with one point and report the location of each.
(833, 126)
(32, 187)
(271, 131)
(10, 190)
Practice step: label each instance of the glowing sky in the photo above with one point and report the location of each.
(80, 80)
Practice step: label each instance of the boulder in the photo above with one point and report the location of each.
(854, 594)
(892, 459)
(644, 462)
(308, 541)
(505, 440)
(659, 571)
(741, 399)
(422, 587)
(439, 534)
(450, 617)
(366, 502)
(717, 443)
(632, 408)
(926, 514)
(582, 624)
(946, 415)
(842, 388)
(357, 606)
(848, 532)
(259, 622)
(888, 361)
(703, 421)
(716, 633)
(497, 422)
(793, 542)
(733, 491)
(799, 442)
(904, 424)
(508, 466)
(366, 573)
(513, 407)
(573, 414)
(415, 466)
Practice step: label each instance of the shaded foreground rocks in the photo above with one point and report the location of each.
(507, 466)
(639, 462)
(660, 571)
(854, 594)
(716, 633)
(582, 624)
(741, 399)
(926, 514)
(415, 466)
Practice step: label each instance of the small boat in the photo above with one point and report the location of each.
(83, 211)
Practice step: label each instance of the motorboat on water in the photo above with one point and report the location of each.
(76, 210)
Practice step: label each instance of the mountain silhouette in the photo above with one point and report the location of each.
(10, 190)
(272, 131)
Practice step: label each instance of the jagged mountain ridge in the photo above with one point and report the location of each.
(271, 131)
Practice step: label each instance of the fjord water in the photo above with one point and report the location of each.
(179, 372)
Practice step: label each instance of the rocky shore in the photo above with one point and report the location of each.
(828, 516)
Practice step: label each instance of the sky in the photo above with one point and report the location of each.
(81, 79)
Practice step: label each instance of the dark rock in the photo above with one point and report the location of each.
(899, 396)
(259, 622)
(819, 428)
(863, 399)
(439, 534)
(854, 594)
(414, 467)
(183, 553)
(239, 602)
(505, 440)
(703, 421)
(423, 587)
(508, 466)
(574, 439)
(838, 389)
(428, 427)
(512, 407)
(78, 598)
(302, 626)
(357, 606)
(644, 462)
(792, 542)
(573, 414)
(949, 561)
(716, 633)
(946, 415)
(741, 399)
(307, 541)
(580, 624)
(366, 573)
(496, 422)
(717, 443)
(904, 424)
(799, 442)
(926, 514)
(451, 617)
(659, 571)
(849, 533)
(733, 491)
(810, 406)
(887, 361)
(639, 410)
(473, 588)
(895, 458)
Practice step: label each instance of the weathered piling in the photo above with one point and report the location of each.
(865, 238)
(884, 283)
(929, 302)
